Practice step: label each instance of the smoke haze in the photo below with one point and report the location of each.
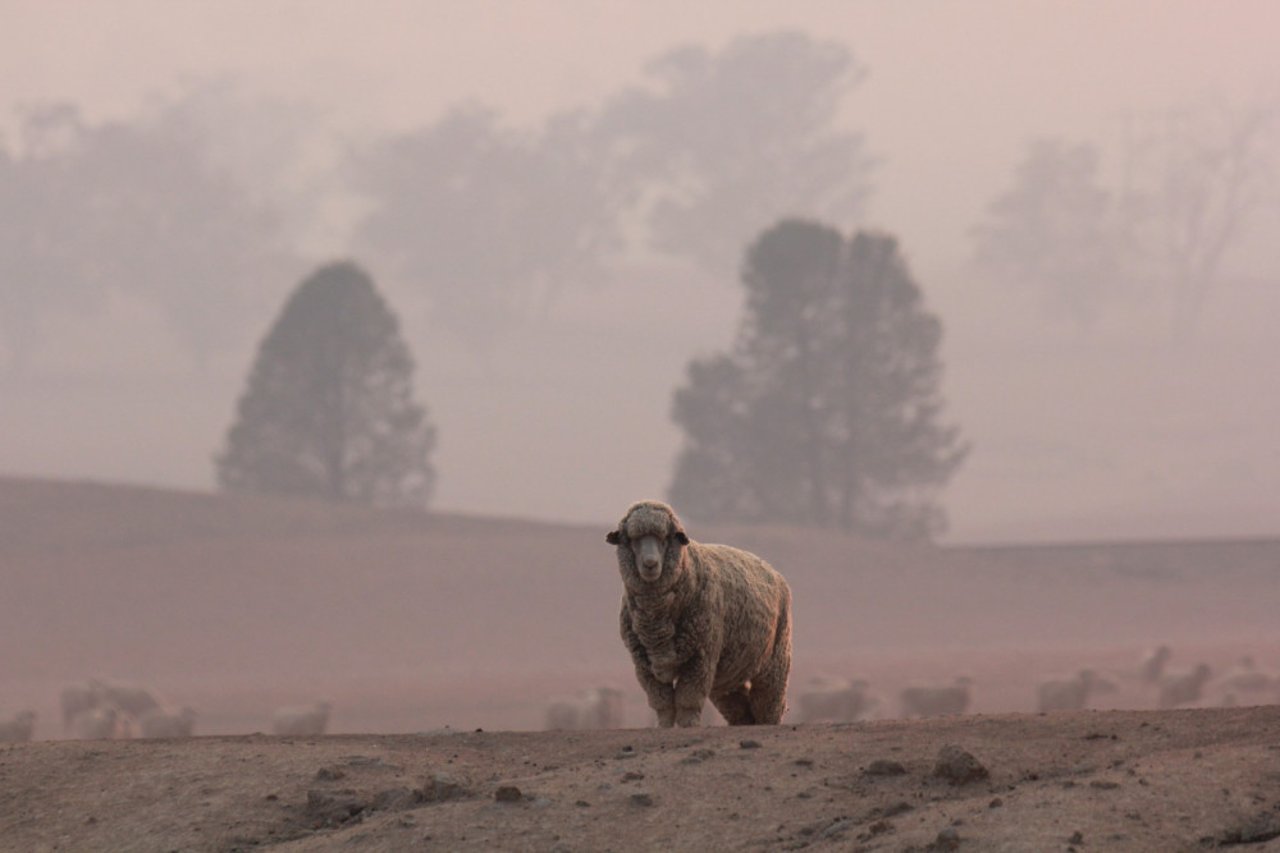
(560, 410)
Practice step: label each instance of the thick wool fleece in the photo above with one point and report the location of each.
(716, 623)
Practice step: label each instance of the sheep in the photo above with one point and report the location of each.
(19, 729)
(161, 723)
(1244, 678)
(103, 723)
(75, 700)
(301, 719)
(129, 699)
(599, 708)
(837, 701)
(1183, 688)
(935, 701)
(1070, 694)
(1152, 667)
(701, 621)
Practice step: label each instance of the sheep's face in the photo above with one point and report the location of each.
(649, 539)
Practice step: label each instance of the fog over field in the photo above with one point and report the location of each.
(550, 381)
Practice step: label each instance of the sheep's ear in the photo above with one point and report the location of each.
(681, 537)
(613, 537)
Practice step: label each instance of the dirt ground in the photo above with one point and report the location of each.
(1093, 780)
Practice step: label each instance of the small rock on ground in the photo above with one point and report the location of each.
(884, 767)
(958, 766)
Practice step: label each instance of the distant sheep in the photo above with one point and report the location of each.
(1151, 670)
(1184, 688)
(130, 699)
(161, 723)
(701, 621)
(935, 701)
(1245, 681)
(19, 729)
(1070, 694)
(301, 719)
(76, 699)
(99, 724)
(599, 708)
(837, 701)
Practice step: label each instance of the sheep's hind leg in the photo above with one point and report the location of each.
(734, 706)
(768, 696)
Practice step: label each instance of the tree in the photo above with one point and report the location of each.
(329, 409)
(42, 277)
(826, 412)
(1194, 184)
(1055, 230)
(491, 222)
(487, 220)
(1204, 173)
(719, 143)
(138, 207)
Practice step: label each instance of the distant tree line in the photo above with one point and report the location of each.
(194, 205)
(1192, 184)
(691, 164)
(140, 209)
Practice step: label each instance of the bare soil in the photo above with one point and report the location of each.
(1158, 781)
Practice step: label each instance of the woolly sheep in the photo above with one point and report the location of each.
(301, 719)
(1071, 694)
(836, 701)
(99, 724)
(599, 708)
(1183, 688)
(76, 699)
(1245, 678)
(129, 699)
(161, 723)
(701, 621)
(19, 729)
(935, 701)
(1152, 667)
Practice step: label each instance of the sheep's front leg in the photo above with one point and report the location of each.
(692, 688)
(661, 695)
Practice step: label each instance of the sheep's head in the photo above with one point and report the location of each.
(650, 540)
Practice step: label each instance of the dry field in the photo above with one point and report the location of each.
(421, 629)
(1093, 780)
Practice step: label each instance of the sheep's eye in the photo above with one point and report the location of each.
(638, 542)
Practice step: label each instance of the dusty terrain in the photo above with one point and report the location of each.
(1158, 781)
(422, 628)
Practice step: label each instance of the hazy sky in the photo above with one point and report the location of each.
(1107, 436)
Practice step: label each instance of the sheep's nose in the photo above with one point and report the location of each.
(650, 562)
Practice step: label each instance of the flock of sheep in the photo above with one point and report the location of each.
(106, 710)
(702, 623)
(1152, 683)
(100, 710)
(826, 699)
(103, 709)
